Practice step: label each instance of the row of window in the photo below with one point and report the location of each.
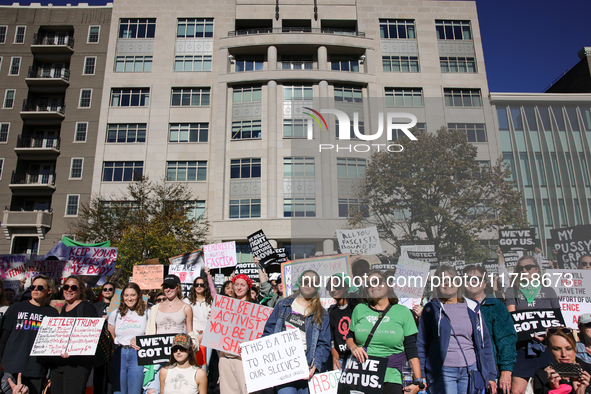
(84, 99)
(19, 34)
(405, 29)
(89, 67)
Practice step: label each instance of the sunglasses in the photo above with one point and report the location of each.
(39, 288)
(200, 285)
(160, 299)
(527, 267)
(168, 287)
(587, 325)
(68, 287)
(564, 330)
(110, 289)
(380, 283)
(177, 348)
(585, 263)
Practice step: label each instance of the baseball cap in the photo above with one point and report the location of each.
(171, 280)
(585, 318)
(182, 340)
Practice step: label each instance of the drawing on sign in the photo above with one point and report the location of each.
(187, 273)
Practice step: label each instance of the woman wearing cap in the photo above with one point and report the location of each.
(230, 365)
(584, 344)
(182, 375)
(527, 294)
(125, 323)
(548, 380)
(173, 316)
(17, 337)
(303, 311)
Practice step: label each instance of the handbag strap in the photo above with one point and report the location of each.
(375, 326)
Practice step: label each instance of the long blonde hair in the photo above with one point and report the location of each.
(315, 306)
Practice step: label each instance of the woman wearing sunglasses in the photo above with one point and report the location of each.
(528, 293)
(182, 375)
(70, 374)
(125, 323)
(19, 330)
(551, 380)
(200, 300)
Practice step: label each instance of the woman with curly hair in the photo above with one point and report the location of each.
(125, 323)
(200, 300)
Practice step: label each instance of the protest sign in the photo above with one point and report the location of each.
(154, 349)
(12, 266)
(261, 248)
(570, 244)
(276, 358)
(77, 336)
(220, 255)
(232, 322)
(426, 257)
(187, 273)
(324, 383)
(12, 284)
(535, 321)
(219, 279)
(491, 266)
(517, 239)
(195, 257)
(148, 277)
(93, 260)
(249, 269)
(511, 259)
(359, 241)
(281, 255)
(573, 288)
(415, 248)
(366, 377)
(325, 267)
(383, 267)
(409, 302)
(411, 277)
(58, 270)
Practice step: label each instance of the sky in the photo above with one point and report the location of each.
(527, 44)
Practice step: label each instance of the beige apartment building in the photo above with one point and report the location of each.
(52, 61)
(212, 93)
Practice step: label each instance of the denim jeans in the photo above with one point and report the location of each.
(126, 376)
(452, 380)
(297, 387)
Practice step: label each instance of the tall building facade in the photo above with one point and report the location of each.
(210, 95)
(52, 62)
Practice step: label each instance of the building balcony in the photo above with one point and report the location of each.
(32, 180)
(40, 77)
(19, 220)
(41, 108)
(52, 44)
(37, 145)
(287, 30)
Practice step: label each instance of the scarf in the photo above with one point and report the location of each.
(530, 292)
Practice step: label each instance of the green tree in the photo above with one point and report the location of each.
(436, 193)
(150, 220)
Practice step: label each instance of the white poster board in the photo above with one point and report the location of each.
(220, 255)
(573, 294)
(359, 241)
(324, 383)
(76, 336)
(187, 273)
(410, 278)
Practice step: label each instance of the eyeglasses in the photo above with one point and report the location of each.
(585, 264)
(160, 299)
(168, 287)
(109, 289)
(200, 285)
(527, 267)
(564, 330)
(39, 288)
(68, 287)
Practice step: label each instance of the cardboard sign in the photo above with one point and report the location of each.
(325, 267)
(416, 248)
(276, 358)
(195, 257)
(425, 257)
(58, 270)
(411, 277)
(324, 383)
(281, 255)
(574, 293)
(187, 273)
(232, 322)
(367, 378)
(148, 277)
(360, 241)
(535, 321)
(249, 269)
(12, 266)
(154, 349)
(93, 261)
(220, 255)
(571, 243)
(491, 266)
(517, 239)
(261, 248)
(77, 336)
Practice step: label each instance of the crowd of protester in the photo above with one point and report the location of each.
(461, 339)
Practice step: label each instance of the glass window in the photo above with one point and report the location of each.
(453, 30)
(93, 34)
(188, 132)
(122, 171)
(455, 64)
(297, 92)
(137, 28)
(19, 35)
(3, 34)
(299, 207)
(352, 206)
(351, 168)
(192, 63)
(85, 98)
(245, 168)
(72, 204)
(249, 63)
(247, 94)
(404, 97)
(245, 208)
(348, 94)
(476, 132)
(186, 171)
(195, 210)
(246, 129)
(195, 27)
(130, 97)
(126, 133)
(397, 28)
(9, 98)
(15, 66)
(81, 129)
(462, 97)
(76, 168)
(89, 65)
(130, 64)
(296, 128)
(298, 167)
(4, 129)
(2, 168)
(400, 64)
(344, 63)
(190, 97)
